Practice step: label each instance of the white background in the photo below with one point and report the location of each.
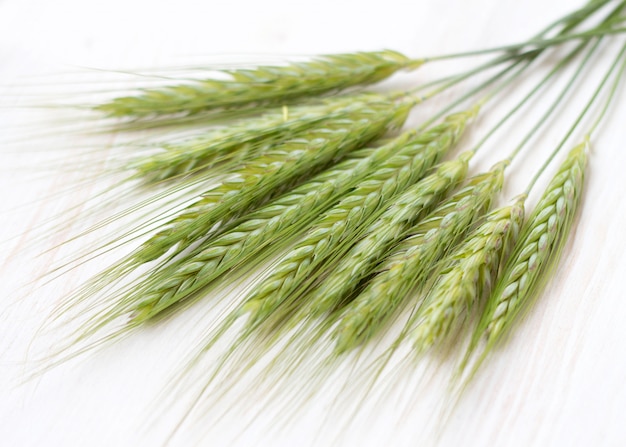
(560, 380)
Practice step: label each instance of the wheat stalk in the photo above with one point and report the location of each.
(239, 141)
(273, 172)
(536, 252)
(271, 225)
(283, 218)
(341, 223)
(251, 186)
(411, 261)
(263, 85)
(391, 227)
(276, 222)
(468, 275)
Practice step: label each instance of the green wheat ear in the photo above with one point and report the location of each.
(279, 220)
(466, 277)
(387, 230)
(263, 85)
(238, 142)
(535, 255)
(407, 267)
(251, 187)
(260, 233)
(271, 173)
(334, 231)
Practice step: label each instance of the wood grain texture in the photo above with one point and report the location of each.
(560, 379)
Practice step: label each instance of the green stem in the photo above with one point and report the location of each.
(472, 92)
(469, 73)
(477, 89)
(571, 21)
(520, 104)
(576, 17)
(549, 76)
(536, 43)
(559, 98)
(583, 113)
(608, 102)
(414, 96)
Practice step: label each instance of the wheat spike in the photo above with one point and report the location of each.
(468, 275)
(237, 142)
(275, 171)
(341, 223)
(408, 266)
(263, 85)
(407, 208)
(265, 228)
(536, 252)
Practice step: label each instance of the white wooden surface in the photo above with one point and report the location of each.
(560, 380)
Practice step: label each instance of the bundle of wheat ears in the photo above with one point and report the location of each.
(350, 224)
